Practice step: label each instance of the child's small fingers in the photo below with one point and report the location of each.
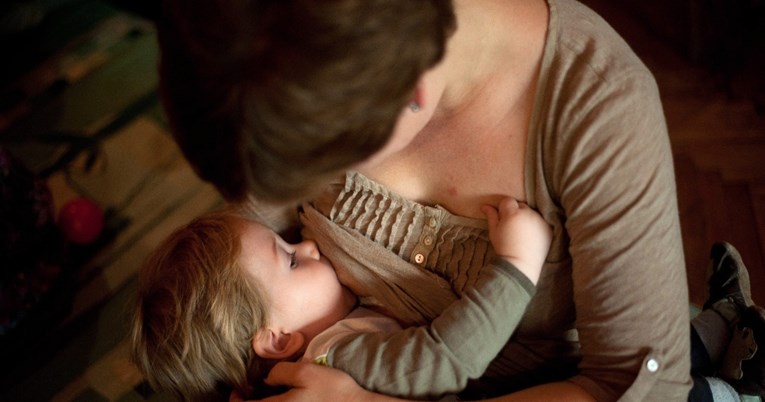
(491, 214)
(510, 202)
(488, 209)
(507, 207)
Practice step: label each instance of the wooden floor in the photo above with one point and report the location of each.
(719, 147)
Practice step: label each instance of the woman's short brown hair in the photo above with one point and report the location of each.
(197, 311)
(274, 97)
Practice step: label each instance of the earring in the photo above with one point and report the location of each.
(414, 107)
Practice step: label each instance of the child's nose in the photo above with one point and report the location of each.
(310, 249)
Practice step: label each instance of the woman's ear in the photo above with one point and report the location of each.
(418, 99)
(270, 344)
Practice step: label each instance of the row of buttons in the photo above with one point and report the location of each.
(426, 240)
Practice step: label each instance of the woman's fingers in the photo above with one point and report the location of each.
(305, 375)
(288, 374)
(312, 382)
(235, 397)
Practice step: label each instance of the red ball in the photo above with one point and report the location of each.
(81, 220)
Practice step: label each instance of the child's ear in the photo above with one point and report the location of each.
(270, 344)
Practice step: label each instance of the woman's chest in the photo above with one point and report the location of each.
(461, 168)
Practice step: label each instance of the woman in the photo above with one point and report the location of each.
(440, 110)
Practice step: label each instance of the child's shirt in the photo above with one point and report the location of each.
(358, 321)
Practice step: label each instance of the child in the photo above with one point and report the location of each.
(224, 298)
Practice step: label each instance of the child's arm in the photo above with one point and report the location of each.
(459, 344)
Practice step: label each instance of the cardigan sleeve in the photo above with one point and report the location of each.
(602, 174)
(611, 175)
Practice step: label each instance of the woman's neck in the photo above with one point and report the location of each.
(493, 38)
(477, 107)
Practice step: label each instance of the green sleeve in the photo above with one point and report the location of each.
(440, 358)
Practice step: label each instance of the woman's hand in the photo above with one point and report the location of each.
(312, 382)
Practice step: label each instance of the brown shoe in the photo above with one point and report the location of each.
(729, 291)
(744, 362)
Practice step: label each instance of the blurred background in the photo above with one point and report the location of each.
(90, 180)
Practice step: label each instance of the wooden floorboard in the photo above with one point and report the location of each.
(719, 147)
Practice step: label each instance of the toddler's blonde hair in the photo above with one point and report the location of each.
(197, 312)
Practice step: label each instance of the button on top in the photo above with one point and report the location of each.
(432, 222)
(652, 365)
(419, 258)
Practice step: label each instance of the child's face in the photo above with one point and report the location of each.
(301, 286)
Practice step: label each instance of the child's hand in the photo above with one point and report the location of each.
(519, 235)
